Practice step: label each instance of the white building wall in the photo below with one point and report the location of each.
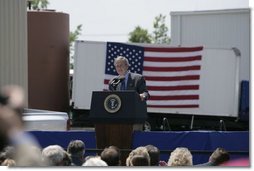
(13, 43)
(215, 29)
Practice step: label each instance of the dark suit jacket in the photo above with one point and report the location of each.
(135, 82)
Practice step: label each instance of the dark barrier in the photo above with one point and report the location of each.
(200, 143)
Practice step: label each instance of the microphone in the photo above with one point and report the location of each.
(116, 81)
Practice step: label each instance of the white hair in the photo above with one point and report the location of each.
(95, 161)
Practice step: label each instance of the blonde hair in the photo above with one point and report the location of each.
(138, 151)
(181, 156)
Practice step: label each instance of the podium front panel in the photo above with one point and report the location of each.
(117, 107)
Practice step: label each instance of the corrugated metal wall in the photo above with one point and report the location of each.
(13, 43)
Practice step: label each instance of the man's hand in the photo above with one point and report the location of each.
(142, 97)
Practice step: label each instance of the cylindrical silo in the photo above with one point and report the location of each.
(48, 60)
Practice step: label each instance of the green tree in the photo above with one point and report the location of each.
(159, 35)
(139, 35)
(72, 38)
(38, 4)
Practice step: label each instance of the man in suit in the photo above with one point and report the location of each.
(127, 80)
(217, 158)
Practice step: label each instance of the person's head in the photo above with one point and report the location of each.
(181, 156)
(9, 162)
(15, 98)
(11, 107)
(154, 154)
(94, 161)
(121, 64)
(76, 148)
(10, 152)
(138, 151)
(219, 156)
(53, 155)
(116, 148)
(139, 160)
(111, 156)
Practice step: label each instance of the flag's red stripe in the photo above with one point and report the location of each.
(172, 59)
(106, 81)
(176, 49)
(177, 78)
(172, 88)
(178, 97)
(174, 106)
(172, 69)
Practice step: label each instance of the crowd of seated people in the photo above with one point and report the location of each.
(55, 155)
(18, 148)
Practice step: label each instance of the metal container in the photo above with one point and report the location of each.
(48, 60)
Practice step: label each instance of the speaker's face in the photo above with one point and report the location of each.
(121, 67)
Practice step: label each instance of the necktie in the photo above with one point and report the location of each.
(122, 85)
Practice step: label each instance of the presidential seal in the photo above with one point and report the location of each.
(112, 103)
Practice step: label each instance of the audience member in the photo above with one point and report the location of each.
(154, 154)
(94, 161)
(8, 124)
(138, 151)
(2, 157)
(53, 155)
(9, 163)
(117, 149)
(181, 156)
(76, 149)
(219, 156)
(11, 123)
(111, 156)
(67, 159)
(139, 160)
(10, 152)
(29, 157)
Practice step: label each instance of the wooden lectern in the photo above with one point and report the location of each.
(116, 115)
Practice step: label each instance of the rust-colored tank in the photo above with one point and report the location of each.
(48, 60)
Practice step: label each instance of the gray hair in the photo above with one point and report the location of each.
(122, 58)
(53, 154)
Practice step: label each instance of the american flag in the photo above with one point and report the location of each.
(172, 73)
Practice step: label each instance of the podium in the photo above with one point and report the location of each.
(116, 115)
